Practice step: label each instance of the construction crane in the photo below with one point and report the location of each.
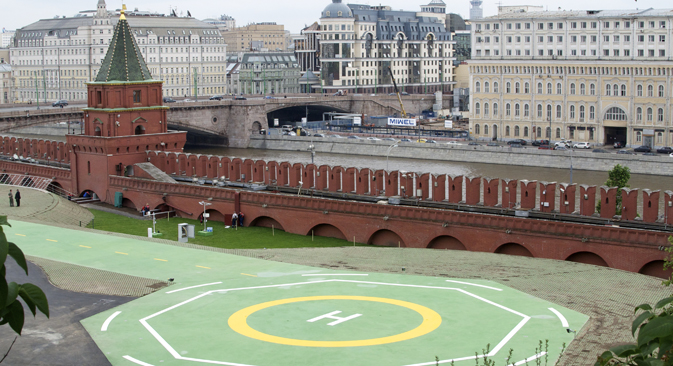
(404, 113)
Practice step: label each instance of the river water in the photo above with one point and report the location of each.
(642, 181)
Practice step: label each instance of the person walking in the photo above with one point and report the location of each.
(17, 197)
(11, 198)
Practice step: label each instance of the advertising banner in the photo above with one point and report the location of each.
(401, 122)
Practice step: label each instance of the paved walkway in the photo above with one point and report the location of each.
(40, 206)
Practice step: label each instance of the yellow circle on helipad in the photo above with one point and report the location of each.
(239, 323)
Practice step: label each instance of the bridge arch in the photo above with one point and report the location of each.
(294, 113)
(266, 221)
(588, 258)
(446, 242)
(655, 269)
(256, 127)
(327, 230)
(386, 238)
(514, 249)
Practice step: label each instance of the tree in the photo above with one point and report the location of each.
(11, 310)
(617, 177)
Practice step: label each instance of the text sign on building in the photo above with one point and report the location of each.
(275, 122)
(448, 123)
(402, 122)
(357, 121)
(303, 121)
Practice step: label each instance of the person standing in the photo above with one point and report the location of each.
(17, 197)
(11, 198)
(234, 219)
(241, 216)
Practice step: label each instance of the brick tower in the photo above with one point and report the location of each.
(124, 118)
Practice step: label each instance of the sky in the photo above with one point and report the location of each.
(293, 14)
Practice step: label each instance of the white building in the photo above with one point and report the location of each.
(6, 37)
(60, 55)
(597, 76)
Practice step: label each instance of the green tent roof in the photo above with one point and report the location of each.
(123, 61)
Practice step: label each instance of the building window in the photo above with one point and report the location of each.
(558, 88)
(572, 88)
(639, 114)
(507, 131)
(548, 88)
(581, 113)
(508, 88)
(485, 109)
(495, 87)
(547, 132)
(526, 110)
(476, 129)
(660, 137)
(516, 131)
(136, 96)
(525, 132)
(508, 109)
(517, 87)
(572, 112)
(558, 111)
(623, 90)
(592, 113)
(485, 129)
(548, 112)
(539, 88)
(607, 89)
(583, 89)
(539, 111)
(639, 90)
(660, 115)
(592, 89)
(615, 114)
(526, 88)
(495, 109)
(650, 91)
(661, 91)
(558, 133)
(639, 136)
(486, 87)
(477, 109)
(517, 110)
(477, 87)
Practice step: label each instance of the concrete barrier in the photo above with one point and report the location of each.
(533, 157)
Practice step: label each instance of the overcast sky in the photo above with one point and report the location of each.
(294, 14)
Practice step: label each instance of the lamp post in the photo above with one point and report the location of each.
(549, 119)
(392, 146)
(205, 219)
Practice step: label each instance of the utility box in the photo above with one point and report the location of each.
(119, 197)
(185, 231)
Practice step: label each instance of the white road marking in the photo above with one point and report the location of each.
(137, 361)
(564, 321)
(531, 358)
(190, 287)
(108, 320)
(474, 284)
(335, 274)
(213, 362)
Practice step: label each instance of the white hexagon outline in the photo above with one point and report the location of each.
(176, 355)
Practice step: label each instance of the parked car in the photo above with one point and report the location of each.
(60, 103)
(353, 137)
(560, 144)
(599, 151)
(643, 148)
(318, 135)
(290, 133)
(457, 143)
(540, 142)
(515, 145)
(238, 97)
(545, 147)
(405, 140)
(421, 140)
(169, 100)
(625, 152)
(269, 97)
(619, 144)
(650, 154)
(187, 100)
(389, 139)
(373, 138)
(517, 141)
(430, 141)
(560, 147)
(582, 145)
(404, 93)
(472, 143)
(665, 150)
(217, 97)
(492, 144)
(336, 136)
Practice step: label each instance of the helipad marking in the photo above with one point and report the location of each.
(137, 361)
(564, 321)
(431, 321)
(108, 320)
(335, 274)
(203, 267)
(122, 253)
(245, 274)
(158, 259)
(474, 284)
(191, 287)
(19, 234)
(83, 246)
(55, 241)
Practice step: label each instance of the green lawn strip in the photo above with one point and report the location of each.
(243, 238)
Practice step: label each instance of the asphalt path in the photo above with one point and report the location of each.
(61, 339)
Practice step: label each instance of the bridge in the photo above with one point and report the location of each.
(231, 122)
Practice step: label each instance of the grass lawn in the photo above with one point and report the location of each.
(243, 238)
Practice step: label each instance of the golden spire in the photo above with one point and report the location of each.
(122, 17)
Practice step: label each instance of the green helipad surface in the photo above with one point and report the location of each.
(232, 310)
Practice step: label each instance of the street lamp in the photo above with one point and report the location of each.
(549, 119)
(392, 146)
(205, 217)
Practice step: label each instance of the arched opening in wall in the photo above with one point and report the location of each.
(265, 221)
(97, 131)
(128, 203)
(446, 242)
(27, 182)
(140, 130)
(215, 215)
(55, 188)
(327, 230)
(514, 249)
(655, 269)
(256, 127)
(587, 258)
(386, 238)
(87, 193)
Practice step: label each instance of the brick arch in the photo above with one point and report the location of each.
(327, 230)
(266, 221)
(215, 215)
(386, 238)
(588, 258)
(655, 269)
(446, 242)
(514, 249)
(127, 202)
